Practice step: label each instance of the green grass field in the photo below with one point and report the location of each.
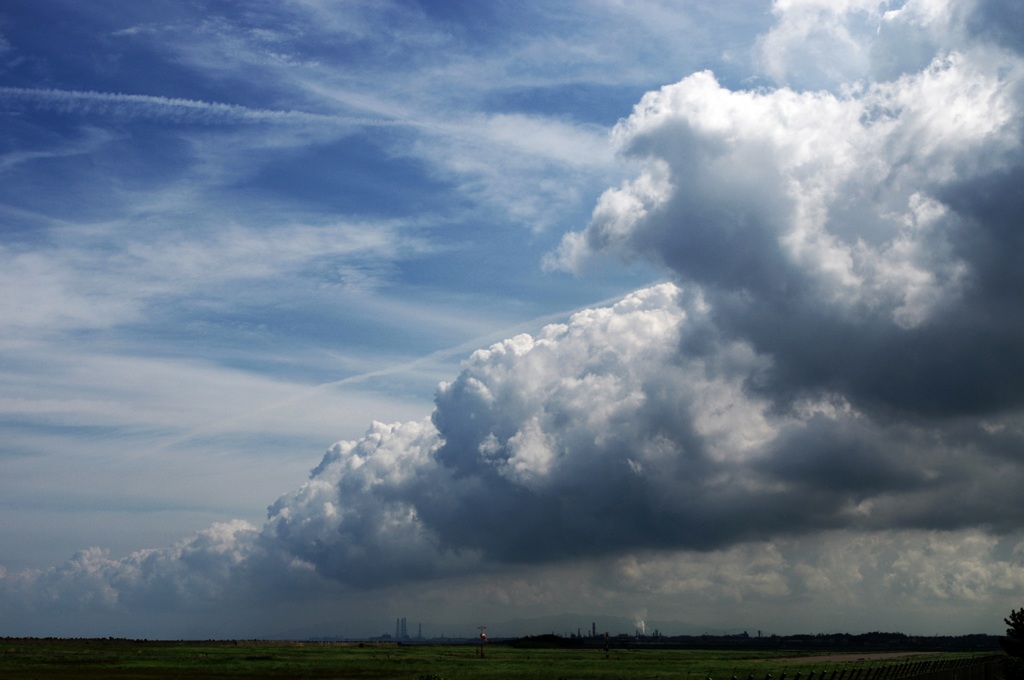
(146, 659)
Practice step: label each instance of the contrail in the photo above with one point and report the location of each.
(441, 355)
(173, 108)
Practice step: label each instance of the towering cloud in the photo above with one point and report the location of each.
(865, 241)
(640, 426)
(587, 439)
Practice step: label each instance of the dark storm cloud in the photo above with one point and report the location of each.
(868, 243)
(961, 365)
(962, 360)
(599, 437)
(866, 246)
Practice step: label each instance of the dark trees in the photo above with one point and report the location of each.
(1013, 643)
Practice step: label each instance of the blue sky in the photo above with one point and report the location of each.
(746, 272)
(215, 214)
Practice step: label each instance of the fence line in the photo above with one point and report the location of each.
(985, 667)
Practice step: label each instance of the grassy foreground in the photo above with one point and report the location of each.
(109, 658)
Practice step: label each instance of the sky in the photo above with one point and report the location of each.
(704, 315)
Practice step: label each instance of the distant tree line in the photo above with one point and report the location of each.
(874, 641)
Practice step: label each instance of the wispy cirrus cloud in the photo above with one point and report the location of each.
(83, 279)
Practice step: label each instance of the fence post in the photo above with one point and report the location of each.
(984, 667)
